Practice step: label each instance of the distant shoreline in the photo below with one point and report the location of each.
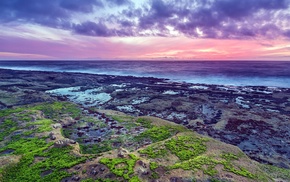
(141, 77)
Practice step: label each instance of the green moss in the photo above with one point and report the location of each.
(145, 122)
(44, 125)
(228, 166)
(55, 109)
(135, 179)
(153, 166)
(229, 156)
(121, 166)
(122, 119)
(276, 172)
(88, 180)
(204, 163)
(55, 159)
(23, 146)
(186, 147)
(156, 133)
(154, 175)
(7, 112)
(106, 180)
(207, 165)
(154, 151)
(7, 127)
(96, 148)
(65, 132)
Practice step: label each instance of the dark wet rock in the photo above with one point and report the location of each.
(5, 152)
(122, 152)
(52, 136)
(261, 130)
(76, 178)
(94, 172)
(45, 173)
(175, 179)
(102, 169)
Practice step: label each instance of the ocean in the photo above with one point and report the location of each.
(237, 73)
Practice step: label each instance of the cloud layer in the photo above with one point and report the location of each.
(214, 19)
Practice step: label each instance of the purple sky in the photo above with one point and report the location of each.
(145, 29)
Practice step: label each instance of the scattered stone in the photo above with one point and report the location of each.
(122, 152)
(52, 136)
(57, 125)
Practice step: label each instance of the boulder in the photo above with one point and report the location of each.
(52, 136)
(122, 152)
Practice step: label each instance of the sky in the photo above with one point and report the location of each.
(145, 30)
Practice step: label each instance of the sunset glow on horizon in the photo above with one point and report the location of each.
(145, 30)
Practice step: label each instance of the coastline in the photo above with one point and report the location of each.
(254, 118)
(240, 73)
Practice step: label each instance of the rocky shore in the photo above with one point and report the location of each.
(256, 119)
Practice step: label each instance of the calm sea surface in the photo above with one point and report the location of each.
(208, 72)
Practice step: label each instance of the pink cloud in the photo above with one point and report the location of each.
(84, 47)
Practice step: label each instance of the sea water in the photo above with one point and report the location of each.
(238, 73)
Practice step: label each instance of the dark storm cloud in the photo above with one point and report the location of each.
(287, 33)
(119, 2)
(53, 13)
(216, 19)
(224, 19)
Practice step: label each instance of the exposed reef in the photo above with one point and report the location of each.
(42, 143)
(256, 119)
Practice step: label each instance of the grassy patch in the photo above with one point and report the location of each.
(23, 146)
(207, 165)
(121, 166)
(7, 127)
(106, 180)
(154, 151)
(7, 112)
(144, 122)
(96, 148)
(135, 179)
(276, 172)
(55, 109)
(55, 159)
(204, 163)
(157, 133)
(122, 119)
(186, 147)
(43, 125)
(153, 166)
(228, 166)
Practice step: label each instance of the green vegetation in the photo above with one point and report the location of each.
(154, 151)
(6, 128)
(186, 147)
(153, 166)
(55, 109)
(135, 179)
(7, 112)
(28, 169)
(207, 165)
(157, 133)
(96, 148)
(204, 163)
(145, 122)
(44, 125)
(88, 180)
(190, 150)
(65, 132)
(42, 161)
(122, 119)
(276, 172)
(105, 180)
(228, 166)
(121, 166)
